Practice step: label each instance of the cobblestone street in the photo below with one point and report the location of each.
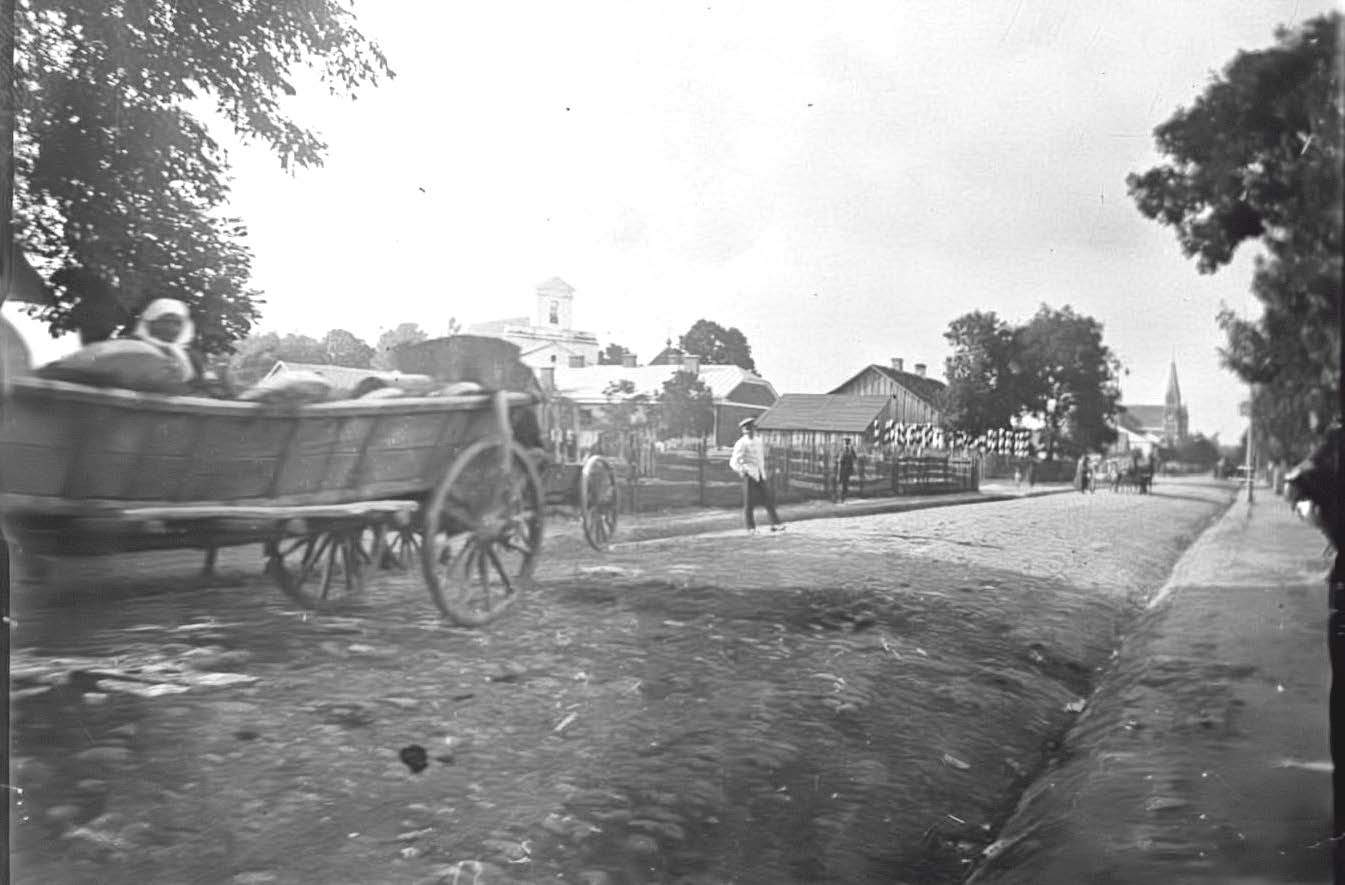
(858, 699)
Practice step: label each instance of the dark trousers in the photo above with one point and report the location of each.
(845, 485)
(755, 492)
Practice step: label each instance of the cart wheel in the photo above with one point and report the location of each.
(599, 500)
(395, 548)
(321, 571)
(483, 530)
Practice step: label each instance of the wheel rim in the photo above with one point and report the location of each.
(320, 571)
(598, 502)
(483, 530)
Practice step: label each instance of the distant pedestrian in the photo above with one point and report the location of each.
(845, 468)
(749, 461)
(1082, 473)
(1031, 472)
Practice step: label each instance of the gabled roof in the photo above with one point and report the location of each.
(1142, 417)
(588, 384)
(928, 389)
(823, 411)
(667, 356)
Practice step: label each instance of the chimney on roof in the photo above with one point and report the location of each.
(691, 363)
(577, 361)
(897, 363)
(628, 360)
(920, 369)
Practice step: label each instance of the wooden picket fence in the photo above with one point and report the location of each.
(701, 477)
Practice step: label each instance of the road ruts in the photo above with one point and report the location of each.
(853, 700)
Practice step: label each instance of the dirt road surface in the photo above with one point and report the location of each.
(853, 700)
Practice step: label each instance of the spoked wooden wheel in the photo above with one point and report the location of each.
(396, 548)
(320, 571)
(483, 531)
(598, 502)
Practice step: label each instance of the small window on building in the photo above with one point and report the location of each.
(555, 313)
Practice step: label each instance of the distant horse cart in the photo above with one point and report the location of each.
(88, 471)
(1126, 475)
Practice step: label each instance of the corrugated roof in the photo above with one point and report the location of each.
(837, 412)
(589, 383)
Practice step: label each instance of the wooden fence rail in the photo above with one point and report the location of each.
(702, 478)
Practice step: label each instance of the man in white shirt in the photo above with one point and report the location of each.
(749, 461)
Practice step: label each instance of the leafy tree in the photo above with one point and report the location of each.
(402, 333)
(257, 354)
(116, 182)
(613, 355)
(1197, 449)
(1258, 158)
(625, 408)
(686, 407)
(983, 387)
(1069, 379)
(717, 345)
(1055, 367)
(343, 348)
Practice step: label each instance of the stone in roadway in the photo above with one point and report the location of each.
(853, 700)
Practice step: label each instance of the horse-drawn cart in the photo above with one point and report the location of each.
(87, 471)
(451, 482)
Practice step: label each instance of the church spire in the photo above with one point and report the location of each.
(1174, 395)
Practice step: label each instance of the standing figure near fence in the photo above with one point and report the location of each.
(845, 468)
(749, 461)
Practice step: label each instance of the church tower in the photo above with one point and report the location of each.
(1174, 413)
(555, 305)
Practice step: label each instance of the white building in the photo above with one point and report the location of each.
(547, 339)
(737, 392)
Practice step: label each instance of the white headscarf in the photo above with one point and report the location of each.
(176, 348)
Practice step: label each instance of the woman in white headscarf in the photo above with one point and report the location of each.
(166, 323)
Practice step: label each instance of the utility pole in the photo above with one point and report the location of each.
(1251, 424)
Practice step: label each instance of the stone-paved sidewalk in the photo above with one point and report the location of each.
(1203, 756)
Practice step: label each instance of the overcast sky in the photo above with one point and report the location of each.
(839, 181)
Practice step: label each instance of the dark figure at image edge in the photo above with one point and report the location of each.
(749, 461)
(1315, 489)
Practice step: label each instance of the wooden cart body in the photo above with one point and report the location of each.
(85, 471)
(67, 450)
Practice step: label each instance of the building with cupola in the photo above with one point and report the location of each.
(548, 338)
